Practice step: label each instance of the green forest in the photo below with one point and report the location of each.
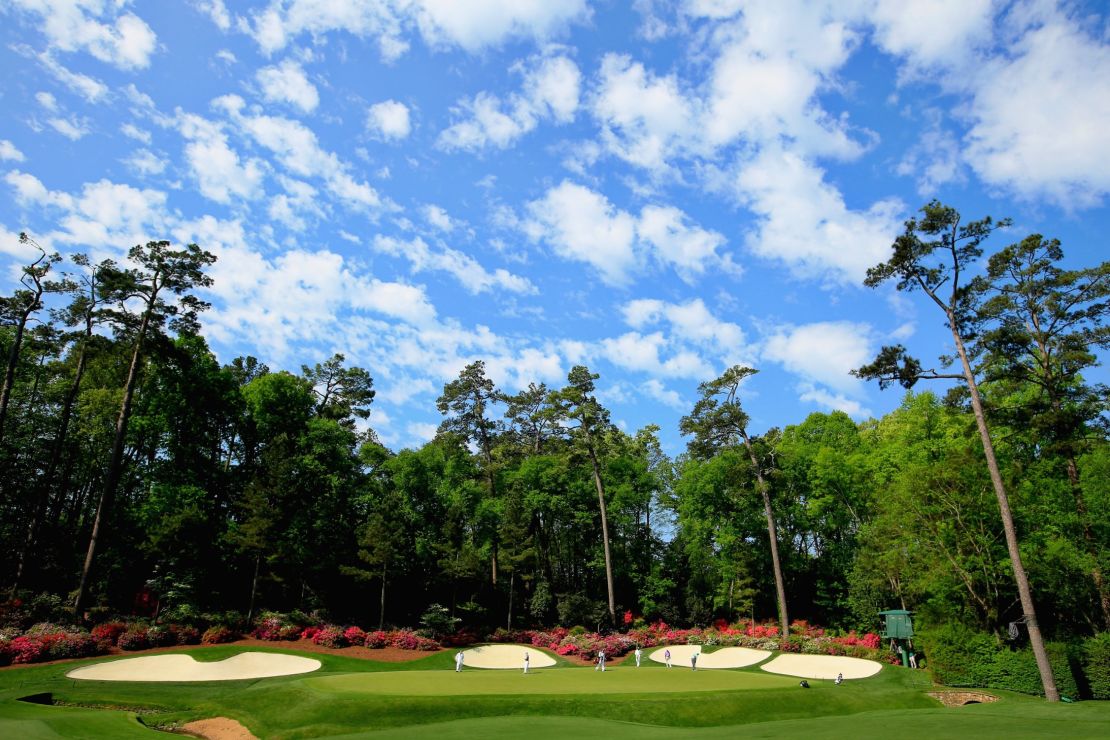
(142, 476)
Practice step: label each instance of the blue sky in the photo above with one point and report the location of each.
(657, 190)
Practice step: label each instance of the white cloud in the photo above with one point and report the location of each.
(582, 225)
(644, 119)
(690, 323)
(550, 90)
(422, 431)
(217, 12)
(287, 83)
(131, 131)
(832, 401)
(464, 268)
(105, 215)
(124, 41)
(473, 25)
(389, 120)
(805, 223)
(932, 33)
(935, 160)
(645, 353)
(217, 168)
(71, 128)
(654, 388)
(47, 101)
(1038, 115)
(9, 152)
(689, 248)
(438, 218)
(89, 88)
(298, 150)
(145, 162)
(824, 352)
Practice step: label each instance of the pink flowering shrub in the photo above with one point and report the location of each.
(408, 640)
(74, 645)
(309, 632)
(329, 636)
(354, 636)
(268, 628)
(377, 639)
(134, 638)
(26, 649)
(218, 634)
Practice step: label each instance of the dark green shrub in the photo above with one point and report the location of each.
(1096, 665)
(957, 655)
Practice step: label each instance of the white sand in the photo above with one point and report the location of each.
(822, 666)
(506, 656)
(729, 657)
(176, 667)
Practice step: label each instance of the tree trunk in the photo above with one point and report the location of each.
(254, 585)
(509, 621)
(13, 361)
(115, 463)
(381, 606)
(47, 479)
(772, 533)
(604, 531)
(1036, 641)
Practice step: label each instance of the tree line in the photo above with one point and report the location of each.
(138, 468)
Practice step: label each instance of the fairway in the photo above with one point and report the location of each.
(623, 680)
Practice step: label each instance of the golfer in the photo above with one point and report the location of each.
(638, 654)
(667, 656)
(600, 661)
(694, 661)
(839, 678)
(526, 659)
(458, 662)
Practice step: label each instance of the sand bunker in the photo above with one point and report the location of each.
(729, 657)
(506, 656)
(822, 666)
(178, 667)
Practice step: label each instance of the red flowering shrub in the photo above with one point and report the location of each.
(377, 639)
(218, 634)
(185, 635)
(567, 649)
(135, 638)
(26, 649)
(462, 638)
(354, 636)
(109, 632)
(309, 632)
(408, 640)
(330, 636)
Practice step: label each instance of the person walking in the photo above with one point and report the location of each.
(458, 662)
(638, 654)
(667, 656)
(525, 662)
(600, 661)
(693, 661)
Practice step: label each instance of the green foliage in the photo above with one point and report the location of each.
(958, 655)
(1096, 665)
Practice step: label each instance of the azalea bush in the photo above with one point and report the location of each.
(329, 636)
(109, 632)
(133, 638)
(219, 634)
(377, 639)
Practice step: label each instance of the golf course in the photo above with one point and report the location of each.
(425, 697)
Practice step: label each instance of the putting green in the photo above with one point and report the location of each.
(623, 680)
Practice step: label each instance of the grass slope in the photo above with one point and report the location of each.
(366, 699)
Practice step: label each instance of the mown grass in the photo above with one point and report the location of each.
(353, 698)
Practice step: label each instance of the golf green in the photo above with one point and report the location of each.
(563, 681)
